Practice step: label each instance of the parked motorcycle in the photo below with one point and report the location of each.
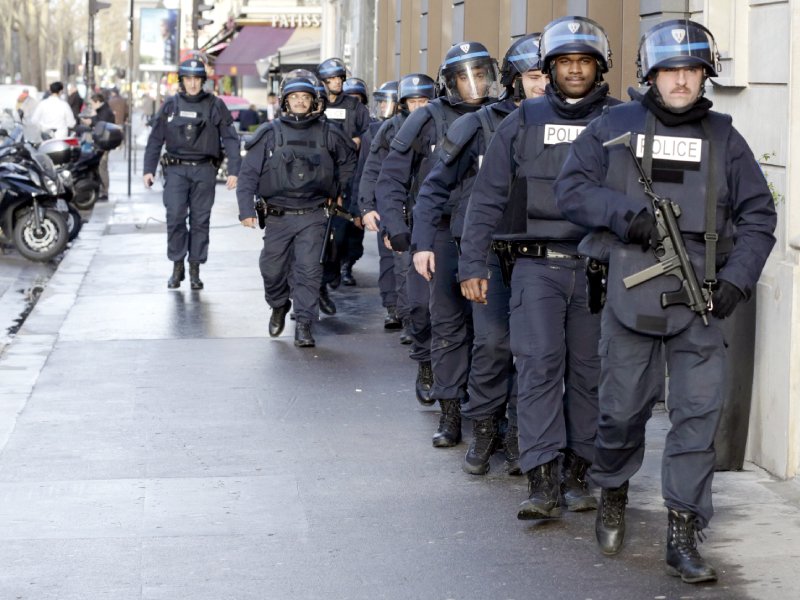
(32, 209)
(77, 160)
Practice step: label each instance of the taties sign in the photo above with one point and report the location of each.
(158, 39)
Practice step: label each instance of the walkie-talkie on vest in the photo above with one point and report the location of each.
(671, 251)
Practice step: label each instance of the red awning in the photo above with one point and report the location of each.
(250, 44)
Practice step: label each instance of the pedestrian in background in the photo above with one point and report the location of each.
(74, 99)
(53, 115)
(102, 113)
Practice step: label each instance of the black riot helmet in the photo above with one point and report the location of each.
(574, 35)
(471, 63)
(521, 56)
(192, 68)
(302, 73)
(291, 85)
(384, 100)
(677, 43)
(331, 67)
(415, 85)
(353, 86)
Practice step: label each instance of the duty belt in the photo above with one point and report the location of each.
(279, 211)
(174, 160)
(527, 249)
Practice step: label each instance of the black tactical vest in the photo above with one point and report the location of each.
(540, 150)
(683, 168)
(343, 113)
(190, 132)
(300, 164)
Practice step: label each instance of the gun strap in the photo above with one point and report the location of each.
(711, 237)
(647, 155)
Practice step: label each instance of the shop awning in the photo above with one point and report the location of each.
(250, 44)
(302, 50)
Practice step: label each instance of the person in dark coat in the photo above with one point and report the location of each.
(195, 126)
(297, 164)
(726, 218)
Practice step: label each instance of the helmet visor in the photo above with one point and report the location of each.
(677, 44)
(383, 105)
(573, 35)
(472, 81)
(525, 56)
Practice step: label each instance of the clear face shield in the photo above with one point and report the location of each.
(472, 81)
(678, 43)
(383, 105)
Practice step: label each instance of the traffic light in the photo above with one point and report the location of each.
(198, 22)
(95, 6)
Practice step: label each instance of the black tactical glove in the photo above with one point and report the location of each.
(400, 242)
(725, 297)
(643, 231)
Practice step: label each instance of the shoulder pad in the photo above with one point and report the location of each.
(258, 135)
(458, 136)
(409, 132)
(382, 137)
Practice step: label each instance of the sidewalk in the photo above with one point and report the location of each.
(156, 444)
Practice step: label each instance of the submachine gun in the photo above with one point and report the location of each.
(670, 251)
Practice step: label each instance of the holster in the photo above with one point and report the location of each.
(506, 258)
(596, 282)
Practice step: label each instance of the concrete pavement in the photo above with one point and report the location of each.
(156, 444)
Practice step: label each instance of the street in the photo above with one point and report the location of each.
(156, 444)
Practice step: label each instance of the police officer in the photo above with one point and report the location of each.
(553, 335)
(296, 164)
(352, 247)
(353, 86)
(353, 117)
(415, 90)
(384, 107)
(726, 218)
(468, 79)
(194, 125)
(491, 372)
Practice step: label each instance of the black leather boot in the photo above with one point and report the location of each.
(178, 275)
(302, 335)
(326, 305)
(542, 502)
(574, 489)
(391, 321)
(609, 526)
(347, 275)
(683, 559)
(424, 383)
(405, 335)
(449, 432)
(511, 448)
(194, 276)
(485, 440)
(278, 319)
